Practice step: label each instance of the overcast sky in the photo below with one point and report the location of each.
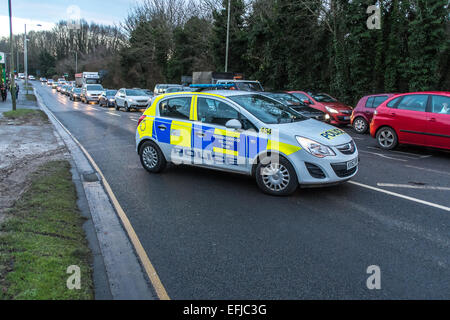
(47, 12)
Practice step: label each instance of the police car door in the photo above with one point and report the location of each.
(221, 147)
(173, 128)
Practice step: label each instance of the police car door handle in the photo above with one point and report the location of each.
(200, 134)
(162, 127)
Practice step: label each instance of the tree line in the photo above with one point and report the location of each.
(321, 45)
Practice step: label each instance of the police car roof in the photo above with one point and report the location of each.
(230, 93)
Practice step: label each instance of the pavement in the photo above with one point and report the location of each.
(214, 235)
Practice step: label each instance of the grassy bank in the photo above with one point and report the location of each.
(42, 238)
(25, 114)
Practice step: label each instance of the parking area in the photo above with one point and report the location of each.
(222, 238)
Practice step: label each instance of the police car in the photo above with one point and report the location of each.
(244, 132)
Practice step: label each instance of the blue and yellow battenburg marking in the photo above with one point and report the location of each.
(332, 133)
(203, 137)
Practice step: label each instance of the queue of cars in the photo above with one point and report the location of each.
(282, 139)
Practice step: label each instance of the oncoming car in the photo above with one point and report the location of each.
(248, 133)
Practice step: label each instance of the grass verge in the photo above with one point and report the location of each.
(25, 114)
(42, 238)
(31, 97)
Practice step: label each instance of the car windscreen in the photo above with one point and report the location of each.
(96, 87)
(248, 86)
(134, 92)
(77, 90)
(266, 109)
(322, 97)
(111, 92)
(286, 98)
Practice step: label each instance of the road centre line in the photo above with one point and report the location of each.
(398, 195)
(113, 114)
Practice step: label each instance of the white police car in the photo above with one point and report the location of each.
(247, 133)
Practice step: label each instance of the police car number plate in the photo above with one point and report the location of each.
(352, 163)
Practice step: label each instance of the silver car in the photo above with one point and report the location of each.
(248, 133)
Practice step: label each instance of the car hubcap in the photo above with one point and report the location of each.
(386, 138)
(360, 125)
(275, 177)
(150, 156)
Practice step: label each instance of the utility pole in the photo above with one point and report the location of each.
(228, 38)
(25, 58)
(76, 62)
(11, 69)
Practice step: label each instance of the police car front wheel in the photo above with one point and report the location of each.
(152, 158)
(276, 177)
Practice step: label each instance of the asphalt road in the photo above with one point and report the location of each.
(214, 235)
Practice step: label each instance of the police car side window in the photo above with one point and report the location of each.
(217, 112)
(178, 108)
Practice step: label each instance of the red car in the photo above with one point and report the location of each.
(339, 113)
(419, 118)
(363, 113)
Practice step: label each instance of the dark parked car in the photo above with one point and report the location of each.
(75, 94)
(363, 113)
(106, 99)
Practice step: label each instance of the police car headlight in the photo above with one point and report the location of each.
(315, 148)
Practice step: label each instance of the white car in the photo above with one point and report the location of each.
(30, 77)
(131, 99)
(91, 93)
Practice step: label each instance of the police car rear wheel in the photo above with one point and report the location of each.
(277, 177)
(152, 158)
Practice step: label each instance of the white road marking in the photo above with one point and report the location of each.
(411, 186)
(113, 114)
(383, 156)
(430, 170)
(398, 195)
(408, 153)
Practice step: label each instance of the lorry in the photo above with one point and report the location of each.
(212, 77)
(87, 78)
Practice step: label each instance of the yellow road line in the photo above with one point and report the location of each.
(148, 266)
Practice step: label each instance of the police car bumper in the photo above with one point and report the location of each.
(313, 171)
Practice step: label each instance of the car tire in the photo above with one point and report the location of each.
(152, 158)
(276, 176)
(127, 109)
(387, 138)
(360, 125)
(116, 106)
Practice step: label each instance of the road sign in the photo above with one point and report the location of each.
(2, 57)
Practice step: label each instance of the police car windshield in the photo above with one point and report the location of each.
(266, 109)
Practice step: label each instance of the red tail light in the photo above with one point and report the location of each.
(141, 118)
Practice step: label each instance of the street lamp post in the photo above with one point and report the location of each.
(228, 38)
(11, 60)
(25, 58)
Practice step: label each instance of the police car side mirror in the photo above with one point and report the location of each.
(233, 124)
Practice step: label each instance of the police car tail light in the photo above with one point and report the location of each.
(140, 119)
(315, 148)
